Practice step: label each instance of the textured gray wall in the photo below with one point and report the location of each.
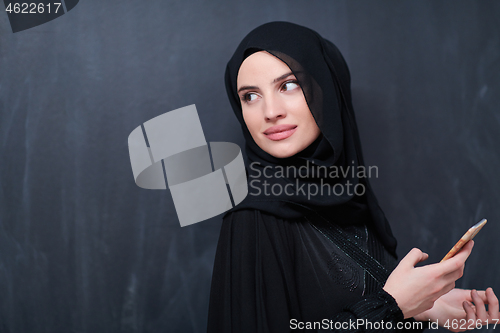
(83, 249)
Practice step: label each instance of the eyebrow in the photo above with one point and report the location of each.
(282, 77)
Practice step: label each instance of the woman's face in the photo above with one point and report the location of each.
(274, 108)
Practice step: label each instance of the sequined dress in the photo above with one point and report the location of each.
(279, 275)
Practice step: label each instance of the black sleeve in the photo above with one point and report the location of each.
(377, 312)
(258, 282)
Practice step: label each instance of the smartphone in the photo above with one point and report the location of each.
(465, 238)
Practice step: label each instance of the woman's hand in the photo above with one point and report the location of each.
(477, 313)
(415, 289)
(454, 311)
(449, 309)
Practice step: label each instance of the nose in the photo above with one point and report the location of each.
(273, 109)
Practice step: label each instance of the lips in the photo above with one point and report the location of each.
(280, 132)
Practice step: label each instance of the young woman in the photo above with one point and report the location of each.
(310, 248)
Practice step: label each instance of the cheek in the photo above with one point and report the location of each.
(314, 129)
(310, 125)
(301, 110)
(252, 121)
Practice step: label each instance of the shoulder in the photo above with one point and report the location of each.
(247, 220)
(247, 228)
(248, 214)
(252, 218)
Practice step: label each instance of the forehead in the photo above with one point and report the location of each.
(260, 67)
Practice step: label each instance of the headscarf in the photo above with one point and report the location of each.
(324, 77)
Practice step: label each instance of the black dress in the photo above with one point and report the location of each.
(276, 275)
(275, 268)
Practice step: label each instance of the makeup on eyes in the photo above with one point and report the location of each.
(245, 97)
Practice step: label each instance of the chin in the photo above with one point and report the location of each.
(281, 155)
(282, 152)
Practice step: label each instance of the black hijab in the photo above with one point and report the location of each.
(324, 77)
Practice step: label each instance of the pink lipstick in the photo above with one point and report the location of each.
(280, 132)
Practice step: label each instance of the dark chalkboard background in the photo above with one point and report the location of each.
(83, 249)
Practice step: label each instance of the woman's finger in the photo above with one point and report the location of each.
(492, 304)
(456, 262)
(413, 257)
(467, 295)
(470, 313)
(483, 296)
(480, 308)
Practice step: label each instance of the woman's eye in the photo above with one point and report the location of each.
(249, 97)
(290, 86)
